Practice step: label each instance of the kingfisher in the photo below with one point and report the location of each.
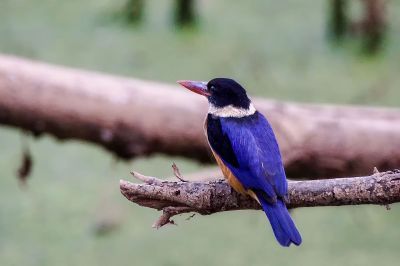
(245, 148)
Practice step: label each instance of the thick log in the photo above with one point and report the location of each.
(132, 117)
(216, 196)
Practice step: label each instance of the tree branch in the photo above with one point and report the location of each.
(216, 196)
(131, 117)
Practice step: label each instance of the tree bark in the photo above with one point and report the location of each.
(216, 196)
(131, 117)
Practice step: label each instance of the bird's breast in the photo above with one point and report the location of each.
(228, 175)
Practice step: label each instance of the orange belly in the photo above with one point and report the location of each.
(232, 180)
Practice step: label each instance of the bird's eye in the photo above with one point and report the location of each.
(212, 88)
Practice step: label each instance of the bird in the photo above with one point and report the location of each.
(245, 148)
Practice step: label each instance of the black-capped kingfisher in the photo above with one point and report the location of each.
(246, 150)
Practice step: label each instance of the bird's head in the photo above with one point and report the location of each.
(226, 97)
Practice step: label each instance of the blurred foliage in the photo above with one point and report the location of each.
(369, 27)
(338, 20)
(185, 13)
(72, 212)
(134, 10)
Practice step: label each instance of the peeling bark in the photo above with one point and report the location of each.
(216, 196)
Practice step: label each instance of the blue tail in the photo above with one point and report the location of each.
(282, 224)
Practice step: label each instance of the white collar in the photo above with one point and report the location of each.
(231, 111)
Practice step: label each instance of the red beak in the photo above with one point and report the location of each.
(199, 87)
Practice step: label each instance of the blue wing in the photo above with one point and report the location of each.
(249, 149)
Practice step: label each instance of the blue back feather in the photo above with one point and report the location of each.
(259, 161)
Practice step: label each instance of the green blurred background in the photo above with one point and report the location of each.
(72, 212)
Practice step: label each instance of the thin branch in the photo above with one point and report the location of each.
(177, 173)
(147, 179)
(216, 196)
(168, 212)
